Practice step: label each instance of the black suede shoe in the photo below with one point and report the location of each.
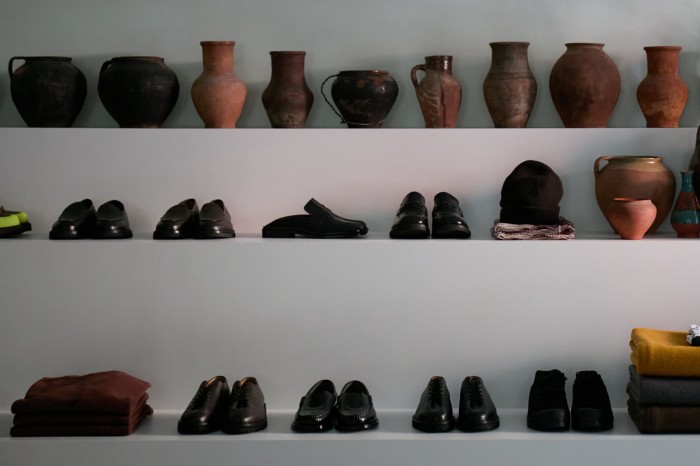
(316, 411)
(207, 410)
(320, 223)
(247, 411)
(112, 222)
(411, 220)
(214, 221)
(476, 409)
(448, 218)
(434, 412)
(179, 222)
(355, 408)
(547, 406)
(77, 221)
(590, 408)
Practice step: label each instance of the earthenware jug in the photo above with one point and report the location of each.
(662, 94)
(287, 99)
(685, 216)
(363, 97)
(631, 218)
(439, 93)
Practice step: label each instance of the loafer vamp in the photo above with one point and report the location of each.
(356, 406)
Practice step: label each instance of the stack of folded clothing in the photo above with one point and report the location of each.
(664, 386)
(102, 403)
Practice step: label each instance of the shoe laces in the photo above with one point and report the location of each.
(241, 392)
(436, 390)
(475, 392)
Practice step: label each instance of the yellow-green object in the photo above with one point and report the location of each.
(13, 222)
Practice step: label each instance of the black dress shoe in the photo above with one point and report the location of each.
(434, 412)
(317, 408)
(448, 218)
(590, 408)
(179, 222)
(320, 223)
(355, 408)
(247, 411)
(77, 221)
(411, 220)
(547, 408)
(476, 409)
(112, 222)
(214, 221)
(207, 410)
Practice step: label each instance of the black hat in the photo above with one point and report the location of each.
(531, 195)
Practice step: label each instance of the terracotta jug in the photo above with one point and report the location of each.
(685, 216)
(439, 93)
(287, 99)
(631, 218)
(637, 177)
(218, 93)
(662, 94)
(585, 85)
(510, 87)
(364, 98)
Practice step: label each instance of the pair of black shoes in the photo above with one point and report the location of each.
(80, 220)
(411, 220)
(214, 407)
(476, 409)
(322, 409)
(320, 222)
(548, 409)
(185, 220)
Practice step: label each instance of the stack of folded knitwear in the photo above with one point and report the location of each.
(101, 403)
(664, 386)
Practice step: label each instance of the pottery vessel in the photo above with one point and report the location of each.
(694, 164)
(637, 177)
(363, 98)
(584, 84)
(631, 218)
(218, 94)
(685, 216)
(287, 99)
(662, 94)
(138, 92)
(510, 87)
(439, 93)
(47, 91)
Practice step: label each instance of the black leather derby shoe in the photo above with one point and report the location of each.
(476, 409)
(77, 221)
(355, 408)
(547, 408)
(320, 223)
(247, 411)
(112, 222)
(448, 219)
(207, 410)
(434, 412)
(411, 220)
(179, 222)
(214, 221)
(590, 408)
(317, 408)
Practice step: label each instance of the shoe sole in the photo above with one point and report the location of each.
(432, 427)
(451, 232)
(244, 429)
(549, 420)
(591, 420)
(289, 233)
(12, 231)
(478, 426)
(342, 427)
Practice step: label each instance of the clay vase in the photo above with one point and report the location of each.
(694, 164)
(685, 217)
(439, 93)
(510, 87)
(584, 84)
(637, 177)
(218, 93)
(631, 218)
(363, 98)
(662, 94)
(47, 91)
(138, 92)
(287, 99)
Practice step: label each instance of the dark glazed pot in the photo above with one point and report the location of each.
(287, 99)
(363, 98)
(662, 94)
(439, 93)
(47, 91)
(138, 92)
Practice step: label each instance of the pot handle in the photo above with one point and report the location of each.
(104, 66)
(596, 164)
(342, 120)
(9, 65)
(415, 69)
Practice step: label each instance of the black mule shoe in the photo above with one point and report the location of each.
(320, 223)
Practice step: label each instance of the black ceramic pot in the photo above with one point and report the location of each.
(364, 97)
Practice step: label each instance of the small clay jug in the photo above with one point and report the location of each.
(287, 99)
(685, 217)
(47, 91)
(637, 177)
(363, 97)
(631, 218)
(585, 85)
(439, 93)
(218, 94)
(510, 87)
(662, 94)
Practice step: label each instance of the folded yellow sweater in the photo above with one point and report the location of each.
(664, 353)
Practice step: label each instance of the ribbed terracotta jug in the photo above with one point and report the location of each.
(439, 93)
(287, 99)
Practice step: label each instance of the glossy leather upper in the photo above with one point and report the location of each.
(207, 410)
(434, 411)
(75, 222)
(112, 221)
(179, 221)
(355, 408)
(215, 221)
(317, 408)
(411, 219)
(246, 411)
(475, 404)
(448, 218)
(321, 222)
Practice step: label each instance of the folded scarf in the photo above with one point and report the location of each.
(663, 391)
(563, 230)
(80, 419)
(112, 393)
(664, 353)
(664, 419)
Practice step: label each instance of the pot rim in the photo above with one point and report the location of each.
(630, 200)
(288, 52)
(646, 158)
(217, 42)
(363, 71)
(599, 45)
(514, 42)
(138, 57)
(663, 47)
(43, 57)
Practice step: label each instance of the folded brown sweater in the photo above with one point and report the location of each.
(664, 419)
(80, 419)
(664, 353)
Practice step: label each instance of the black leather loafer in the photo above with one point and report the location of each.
(448, 218)
(411, 220)
(112, 222)
(355, 408)
(434, 412)
(214, 221)
(476, 409)
(179, 222)
(320, 223)
(317, 408)
(247, 411)
(207, 410)
(77, 221)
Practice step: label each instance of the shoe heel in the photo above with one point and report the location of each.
(276, 233)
